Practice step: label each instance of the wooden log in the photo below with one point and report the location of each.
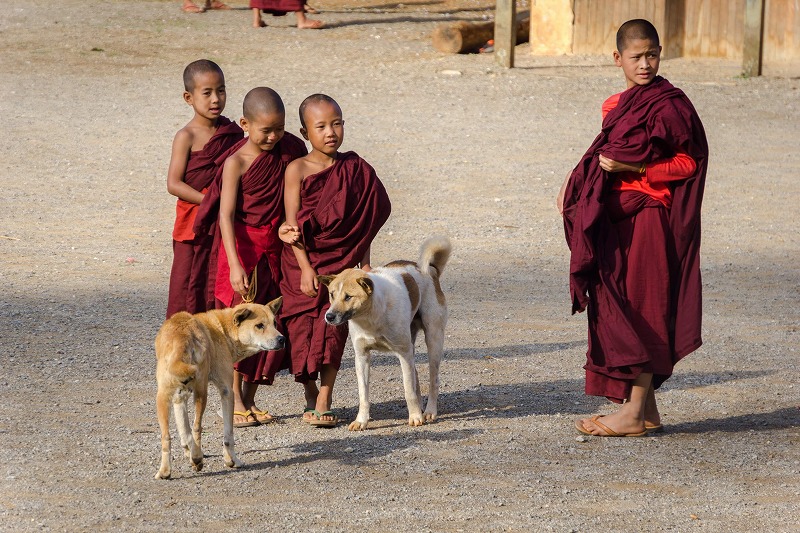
(467, 37)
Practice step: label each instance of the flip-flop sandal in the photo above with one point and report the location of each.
(193, 9)
(262, 416)
(246, 423)
(315, 25)
(609, 432)
(654, 428)
(318, 422)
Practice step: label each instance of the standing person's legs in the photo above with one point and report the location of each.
(258, 22)
(629, 419)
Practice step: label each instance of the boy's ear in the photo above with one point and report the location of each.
(617, 58)
(187, 97)
(304, 133)
(325, 280)
(243, 123)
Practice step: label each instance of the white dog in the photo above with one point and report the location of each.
(386, 308)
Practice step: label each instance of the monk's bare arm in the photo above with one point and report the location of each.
(293, 179)
(231, 175)
(561, 192)
(176, 186)
(609, 165)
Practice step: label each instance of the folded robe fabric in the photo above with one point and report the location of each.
(650, 123)
(341, 211)
(201, 169)
(259, 212)
(189, 274)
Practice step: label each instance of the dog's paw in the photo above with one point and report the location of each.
(197, 464)
(429, 416)
(355, 425)
(415, 420)
(163, 473)
(234, 463)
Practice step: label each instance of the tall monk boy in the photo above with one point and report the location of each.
(335, 205)
(192, 168)
(249, 196)
(632, 220)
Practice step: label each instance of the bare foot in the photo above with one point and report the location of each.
(310, 10)
(259, 24)
(191, 7)
(309, 24)
(614, 425)
(243, 419)
(216, 4)
(262, 416)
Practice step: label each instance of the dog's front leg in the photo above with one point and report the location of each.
(162, 409)
(226, 395)
(362, 375)
(411, 387)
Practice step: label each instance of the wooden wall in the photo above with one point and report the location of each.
(781, 31)
(691, 28)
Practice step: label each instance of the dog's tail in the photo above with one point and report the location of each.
(434, 252)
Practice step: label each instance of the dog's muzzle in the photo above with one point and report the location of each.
(336, 319)
(277, 343)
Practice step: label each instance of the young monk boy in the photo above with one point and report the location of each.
(632, 218)
(192, 168)
(250, 198)
(335, 205)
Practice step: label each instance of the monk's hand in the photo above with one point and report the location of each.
(308, 282)
(609, 165)
(239, 280)
(288, 233)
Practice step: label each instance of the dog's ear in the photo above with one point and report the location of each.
(366, 284)
(240, 316)
(326, 280)
(275, 305)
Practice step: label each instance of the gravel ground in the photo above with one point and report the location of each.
(92, 98)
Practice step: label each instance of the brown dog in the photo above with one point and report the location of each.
(192, 350)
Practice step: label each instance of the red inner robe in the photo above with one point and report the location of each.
(629, 254)
(278, 8)
(259, 212)
(342, 208)
(188, 278)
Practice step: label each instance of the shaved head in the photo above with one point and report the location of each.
(195, 68)
(316, 99)
(261, 101)
(636, 29)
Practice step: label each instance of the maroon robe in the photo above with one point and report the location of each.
(259, 212)
(187, 281)
(341, 210)
(622, 243)
(278, 8)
